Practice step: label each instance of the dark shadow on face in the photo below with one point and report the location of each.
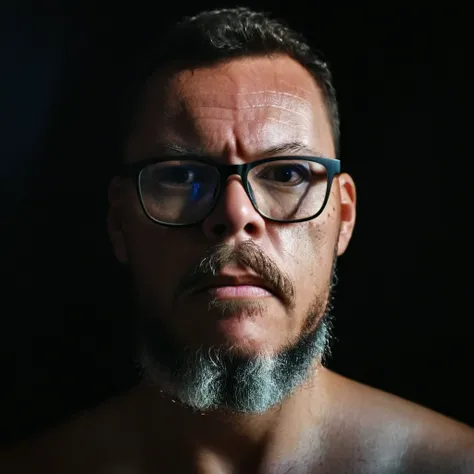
(214, 377)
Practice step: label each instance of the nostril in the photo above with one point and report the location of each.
(250, 228)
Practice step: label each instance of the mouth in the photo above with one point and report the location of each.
(237, 291)
(234, 287)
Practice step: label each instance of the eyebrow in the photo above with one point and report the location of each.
(177, 149)
(290, 147)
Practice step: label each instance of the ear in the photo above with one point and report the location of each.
(347, 192)
(115, 220)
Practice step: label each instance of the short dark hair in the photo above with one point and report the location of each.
(214, 36)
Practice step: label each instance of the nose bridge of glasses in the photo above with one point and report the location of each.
(229, 171)
(231, 175)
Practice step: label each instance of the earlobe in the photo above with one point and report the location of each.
(115, 221)
(347, 191)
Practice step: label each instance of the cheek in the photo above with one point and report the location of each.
(309, 254)
(325, 230)
(158, 257)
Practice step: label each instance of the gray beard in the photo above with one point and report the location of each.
(211, 378)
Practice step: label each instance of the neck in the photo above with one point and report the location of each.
(229, 435)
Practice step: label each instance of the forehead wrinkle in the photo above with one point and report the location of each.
(284, 122)
(262, 115)
(195, 125)
(253, 107)
(198, 98)
(194, 110)
(273, 93)
(288, 123)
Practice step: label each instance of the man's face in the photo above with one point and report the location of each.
(232, 113)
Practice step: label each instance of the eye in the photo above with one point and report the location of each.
(177, 175)
(286, 173)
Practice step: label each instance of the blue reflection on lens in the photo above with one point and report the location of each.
(195, 190)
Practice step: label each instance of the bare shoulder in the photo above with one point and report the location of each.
(78, 444)
(416, 438)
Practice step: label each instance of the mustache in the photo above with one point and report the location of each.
(247, 254)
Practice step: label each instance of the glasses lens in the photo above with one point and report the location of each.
(289, 189)
(178, 192)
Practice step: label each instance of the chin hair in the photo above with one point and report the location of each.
(218, 378)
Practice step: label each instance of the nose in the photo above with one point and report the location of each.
(234, 215)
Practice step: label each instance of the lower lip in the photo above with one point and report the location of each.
(239, 291)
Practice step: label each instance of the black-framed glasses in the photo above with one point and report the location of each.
(183, 191)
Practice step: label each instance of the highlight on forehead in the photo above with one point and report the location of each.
(277, 80)
(241, 101)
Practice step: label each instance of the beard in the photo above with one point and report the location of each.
(211, 378)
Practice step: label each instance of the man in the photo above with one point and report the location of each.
(230, 212)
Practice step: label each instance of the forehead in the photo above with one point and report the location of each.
(239, 107)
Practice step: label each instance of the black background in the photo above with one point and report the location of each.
(403, 303)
